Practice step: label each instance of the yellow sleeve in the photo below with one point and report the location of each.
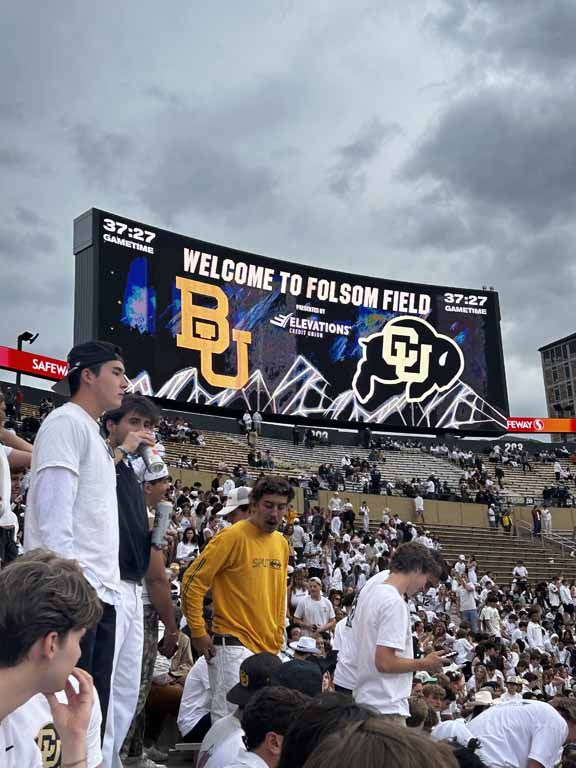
(198, 580)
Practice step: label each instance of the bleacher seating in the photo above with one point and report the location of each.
(403, 465)
(497, 552)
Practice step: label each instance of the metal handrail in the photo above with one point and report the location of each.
(553, 538)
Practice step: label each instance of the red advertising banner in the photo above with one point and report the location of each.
(528, 424)
(32, 365)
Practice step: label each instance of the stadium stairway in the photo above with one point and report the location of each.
(497, 552)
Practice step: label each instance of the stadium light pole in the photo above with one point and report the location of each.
(30, 338)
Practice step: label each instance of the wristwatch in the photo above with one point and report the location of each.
(123, 451)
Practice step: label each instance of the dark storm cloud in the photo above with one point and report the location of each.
(349, 173)
(27, 216)
(100, 153)
(215, 158)
(502, 147)
(193, 176)
(24, 246)
(10, 112)
(27, 249)
(14, 158)
(535, 34)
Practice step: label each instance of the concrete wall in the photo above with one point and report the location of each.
(562, 517)
(441, 512)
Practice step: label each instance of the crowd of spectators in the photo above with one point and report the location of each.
(271, 637)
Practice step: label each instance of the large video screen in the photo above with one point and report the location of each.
(218, 327)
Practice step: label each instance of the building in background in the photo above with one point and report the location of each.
(559, 370)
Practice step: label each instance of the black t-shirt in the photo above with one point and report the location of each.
(134, 533)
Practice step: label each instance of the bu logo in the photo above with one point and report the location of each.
(207, 330)
(407, 351)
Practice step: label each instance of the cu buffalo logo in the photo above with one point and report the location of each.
(407, 351)
(49, 745)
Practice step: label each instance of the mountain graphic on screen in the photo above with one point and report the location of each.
(254, 394)
(303, 392)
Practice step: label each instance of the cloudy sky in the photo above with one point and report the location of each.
(429, 140)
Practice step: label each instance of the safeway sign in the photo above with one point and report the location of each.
(32, 365)
(540, 425)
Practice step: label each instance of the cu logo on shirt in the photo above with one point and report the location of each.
(49, 745)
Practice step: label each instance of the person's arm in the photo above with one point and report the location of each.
(387, 661)
(54, 495)
(13, 441)
(159, 592)
(132, 442)
(196, 583)
(18, 459)
(328, 627)
(73, 719)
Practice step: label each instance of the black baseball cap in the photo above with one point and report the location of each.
(84, 356)
(255, 673)
(303, 676)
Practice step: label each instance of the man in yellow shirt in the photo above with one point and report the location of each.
(245, 567)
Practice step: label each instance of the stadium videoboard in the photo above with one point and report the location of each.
(221, 328)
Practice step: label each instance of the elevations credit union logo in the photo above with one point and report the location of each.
(407, 351)
(310, 326)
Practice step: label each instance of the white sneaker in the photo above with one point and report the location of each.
(156, 754)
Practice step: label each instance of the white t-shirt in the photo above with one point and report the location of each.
(464, 649)
(347, 663)
(74, 511)
(510, 736)
(248, 760)
(228, 751)
(384, 620)
(5, 482)
(15, 751)
(565, 596)
(216, 736)
(311, 611)
(535, 636)
(419, 504)
(344, 676)
(467, 599)
(336, 525)
(298, 537)
(195, 701)
(185, 550)
(491, 617)
(33, 721)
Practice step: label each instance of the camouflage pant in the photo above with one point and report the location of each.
(134, 743)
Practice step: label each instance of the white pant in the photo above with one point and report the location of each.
(125, 683)
(223, 674)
